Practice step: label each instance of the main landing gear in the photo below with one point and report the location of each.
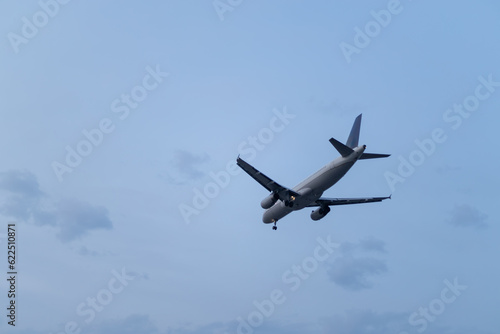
(289, 202)
(275, 227)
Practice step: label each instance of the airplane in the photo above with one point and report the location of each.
(307, 193)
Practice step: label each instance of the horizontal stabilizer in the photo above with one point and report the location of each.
(343, 149)
(373, 156)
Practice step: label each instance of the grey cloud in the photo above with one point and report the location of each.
(133, 324)
(445, 169)
(367, 244)
(468, 216)
(22, 194)
(215, 328)
(365, 322)
(370, 322)
(139, 275)
(85, 251)
(142, 324)
(373, 244)
(350, 322)
(76, 218)
(354, 273)
(275, 327)
(267, 327)
(23, 200)
(187, 164)
(20, 182)
(18, 207)
(353, 269)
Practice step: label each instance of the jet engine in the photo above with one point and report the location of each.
(269, 201)
(320, 212)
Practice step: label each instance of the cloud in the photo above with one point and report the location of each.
(20, 182)
(84, 251)
(367, 244)
(349, 322)
(445, 169)
(133, 324)
(23, 200)
(76, 218)
(352, 269)
(468, 216)
(144, 325)
(354, 273)
(370, 322)
(365, 322)
(23, 193)
(188, 164)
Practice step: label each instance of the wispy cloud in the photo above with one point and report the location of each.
(23, 194)
(353, 268)
(446, 169)
(20, 182)
(354, 273)
(84, 251)
(364, 322)
(24, 200)
(367, 244)
(466, 215)
(133, 324)
(143, 324)
(186, 166)
(350, 322)
(76, 218)
(370, 322)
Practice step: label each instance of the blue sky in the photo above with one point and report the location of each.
(157, 99)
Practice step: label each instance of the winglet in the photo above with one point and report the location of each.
(343, 149)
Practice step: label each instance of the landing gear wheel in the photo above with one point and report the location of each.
(275, 227)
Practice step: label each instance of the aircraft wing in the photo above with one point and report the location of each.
(344, 201)
(264, 180)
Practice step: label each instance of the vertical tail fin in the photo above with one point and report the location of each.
(353, 139)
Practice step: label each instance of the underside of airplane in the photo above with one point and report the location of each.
(282, 200)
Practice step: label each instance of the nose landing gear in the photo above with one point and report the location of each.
(275, 227)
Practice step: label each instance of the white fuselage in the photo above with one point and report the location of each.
(313, 187)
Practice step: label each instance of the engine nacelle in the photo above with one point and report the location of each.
(320, 213)
(269, 201)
